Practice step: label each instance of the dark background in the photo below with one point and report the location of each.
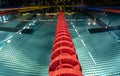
(17, 3)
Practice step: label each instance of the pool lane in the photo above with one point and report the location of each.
(28, 55)
(98, 53)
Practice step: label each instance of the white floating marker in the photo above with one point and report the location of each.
(83, 42)
(89, 23)
(8, 41)
(94, 23)
(78, 35)
(92, 58)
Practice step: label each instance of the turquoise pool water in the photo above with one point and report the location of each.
(29, 54)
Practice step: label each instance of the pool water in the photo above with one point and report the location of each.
(29, 54)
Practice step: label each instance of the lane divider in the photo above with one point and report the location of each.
(78, 35)
(64, 60)
(83, 42)
(92, 58)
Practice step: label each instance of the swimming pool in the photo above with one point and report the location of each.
(29, 54)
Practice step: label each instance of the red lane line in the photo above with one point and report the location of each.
(8, 12)
(112, 10)
(64, 60)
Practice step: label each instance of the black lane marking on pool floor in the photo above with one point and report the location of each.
(19, 27)
(104, 27)
(98, 30)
